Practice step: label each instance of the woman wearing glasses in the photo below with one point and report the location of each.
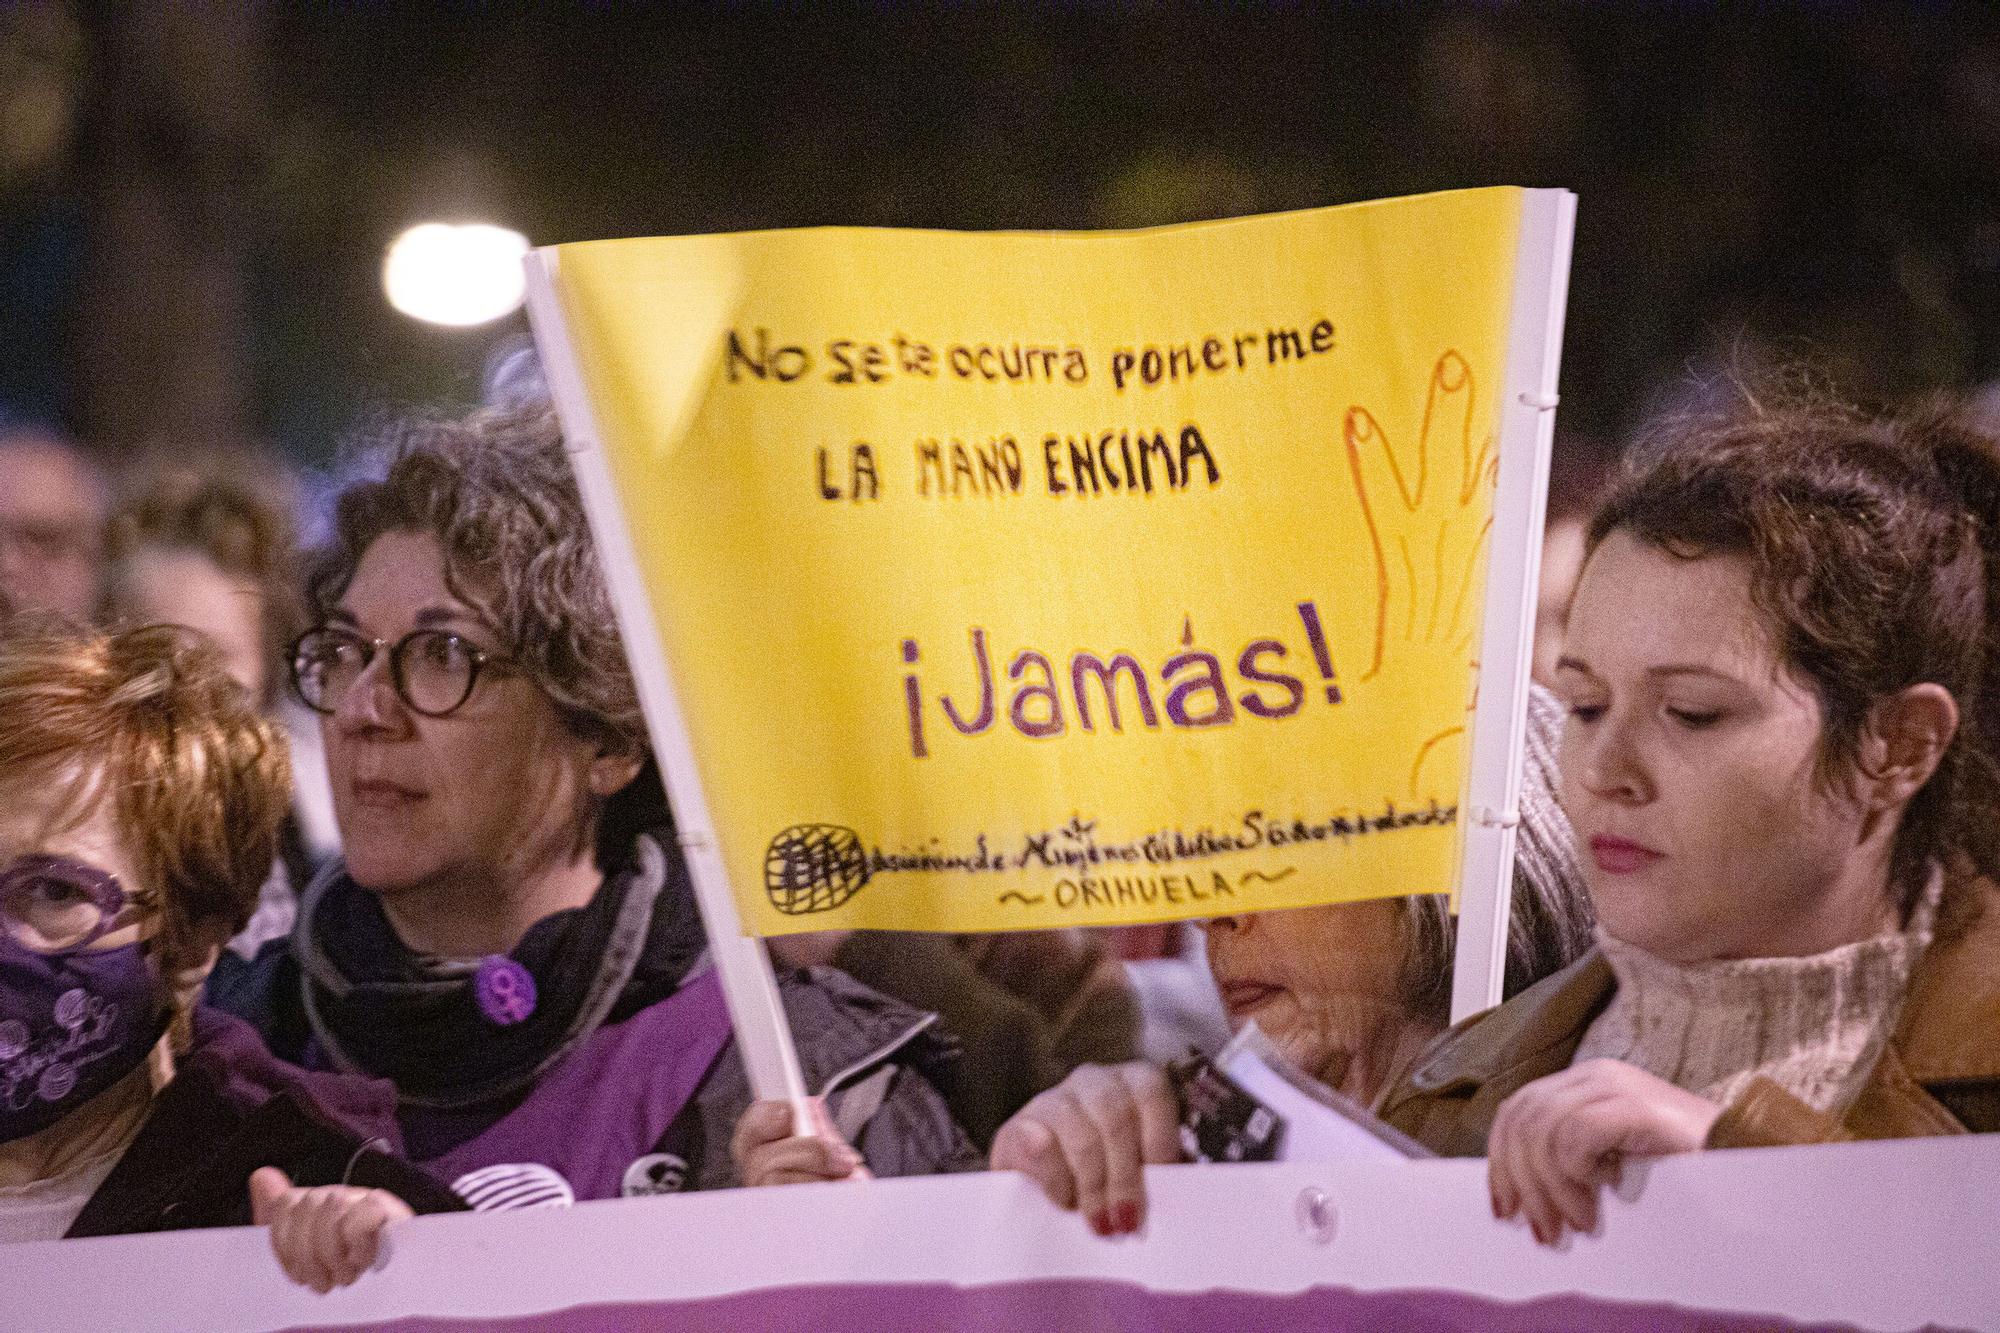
(140, 795)
(511, 937)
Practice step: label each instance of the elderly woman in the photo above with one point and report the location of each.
(140, 794)
(1783, 677)
(511, 937)
(1349, 993)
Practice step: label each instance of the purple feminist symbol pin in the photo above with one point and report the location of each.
(505, 990)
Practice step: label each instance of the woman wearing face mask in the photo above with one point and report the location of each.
(1783, 674)
(511, 937)
(140, 795)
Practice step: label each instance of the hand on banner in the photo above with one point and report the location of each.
(768, 1150)
(1428, 528)
(1560, 1138)
(326, 1236)
(1086, 1141)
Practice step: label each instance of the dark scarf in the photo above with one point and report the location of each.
(378, 1007)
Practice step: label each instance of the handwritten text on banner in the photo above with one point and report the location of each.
(1024, 580)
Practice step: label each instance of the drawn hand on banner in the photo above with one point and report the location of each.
(326, 1236)
(1427, 506)
(768, 1150)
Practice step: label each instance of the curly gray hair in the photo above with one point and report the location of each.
(1550, 924)
(496, 490)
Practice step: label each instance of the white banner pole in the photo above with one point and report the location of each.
(763, 1037)
(1492, 800)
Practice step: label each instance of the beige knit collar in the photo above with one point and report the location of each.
(1814, 1025)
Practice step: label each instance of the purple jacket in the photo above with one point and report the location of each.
(233, 1107)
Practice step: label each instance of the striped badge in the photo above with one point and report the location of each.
(507, 1186)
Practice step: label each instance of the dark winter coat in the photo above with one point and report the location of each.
(872, 1057)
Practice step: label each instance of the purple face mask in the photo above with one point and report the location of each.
(72, 1023)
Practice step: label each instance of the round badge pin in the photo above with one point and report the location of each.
(505, 990)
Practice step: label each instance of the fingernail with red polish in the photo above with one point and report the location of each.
(1128, 1217)
(1100, 1222)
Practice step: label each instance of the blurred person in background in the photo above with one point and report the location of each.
(205, 540)
(1350, 993)
(511, 936)
(52, 510)
(1578, 471)
(1782, 754)
(140, 795)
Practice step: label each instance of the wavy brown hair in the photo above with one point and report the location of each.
(1874, 552)
(150, 720)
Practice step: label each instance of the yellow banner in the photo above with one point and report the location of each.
(1029, 580)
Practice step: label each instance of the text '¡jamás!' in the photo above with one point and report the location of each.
(1193, 688)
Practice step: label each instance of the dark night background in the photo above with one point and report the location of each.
(194, 200)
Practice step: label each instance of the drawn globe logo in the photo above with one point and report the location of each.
(814, 868)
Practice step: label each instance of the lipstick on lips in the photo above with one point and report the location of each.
(1621, 856)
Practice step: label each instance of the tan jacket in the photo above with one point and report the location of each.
(1939, 1074)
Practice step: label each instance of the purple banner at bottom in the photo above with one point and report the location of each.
(1116, 1307)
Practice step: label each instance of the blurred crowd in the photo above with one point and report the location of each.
(280, 948)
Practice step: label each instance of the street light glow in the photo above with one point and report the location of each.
(458, 274)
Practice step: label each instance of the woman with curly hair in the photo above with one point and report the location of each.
(1782, 669)
(511, 936)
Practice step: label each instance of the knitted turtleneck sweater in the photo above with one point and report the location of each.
(1815, 1026)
